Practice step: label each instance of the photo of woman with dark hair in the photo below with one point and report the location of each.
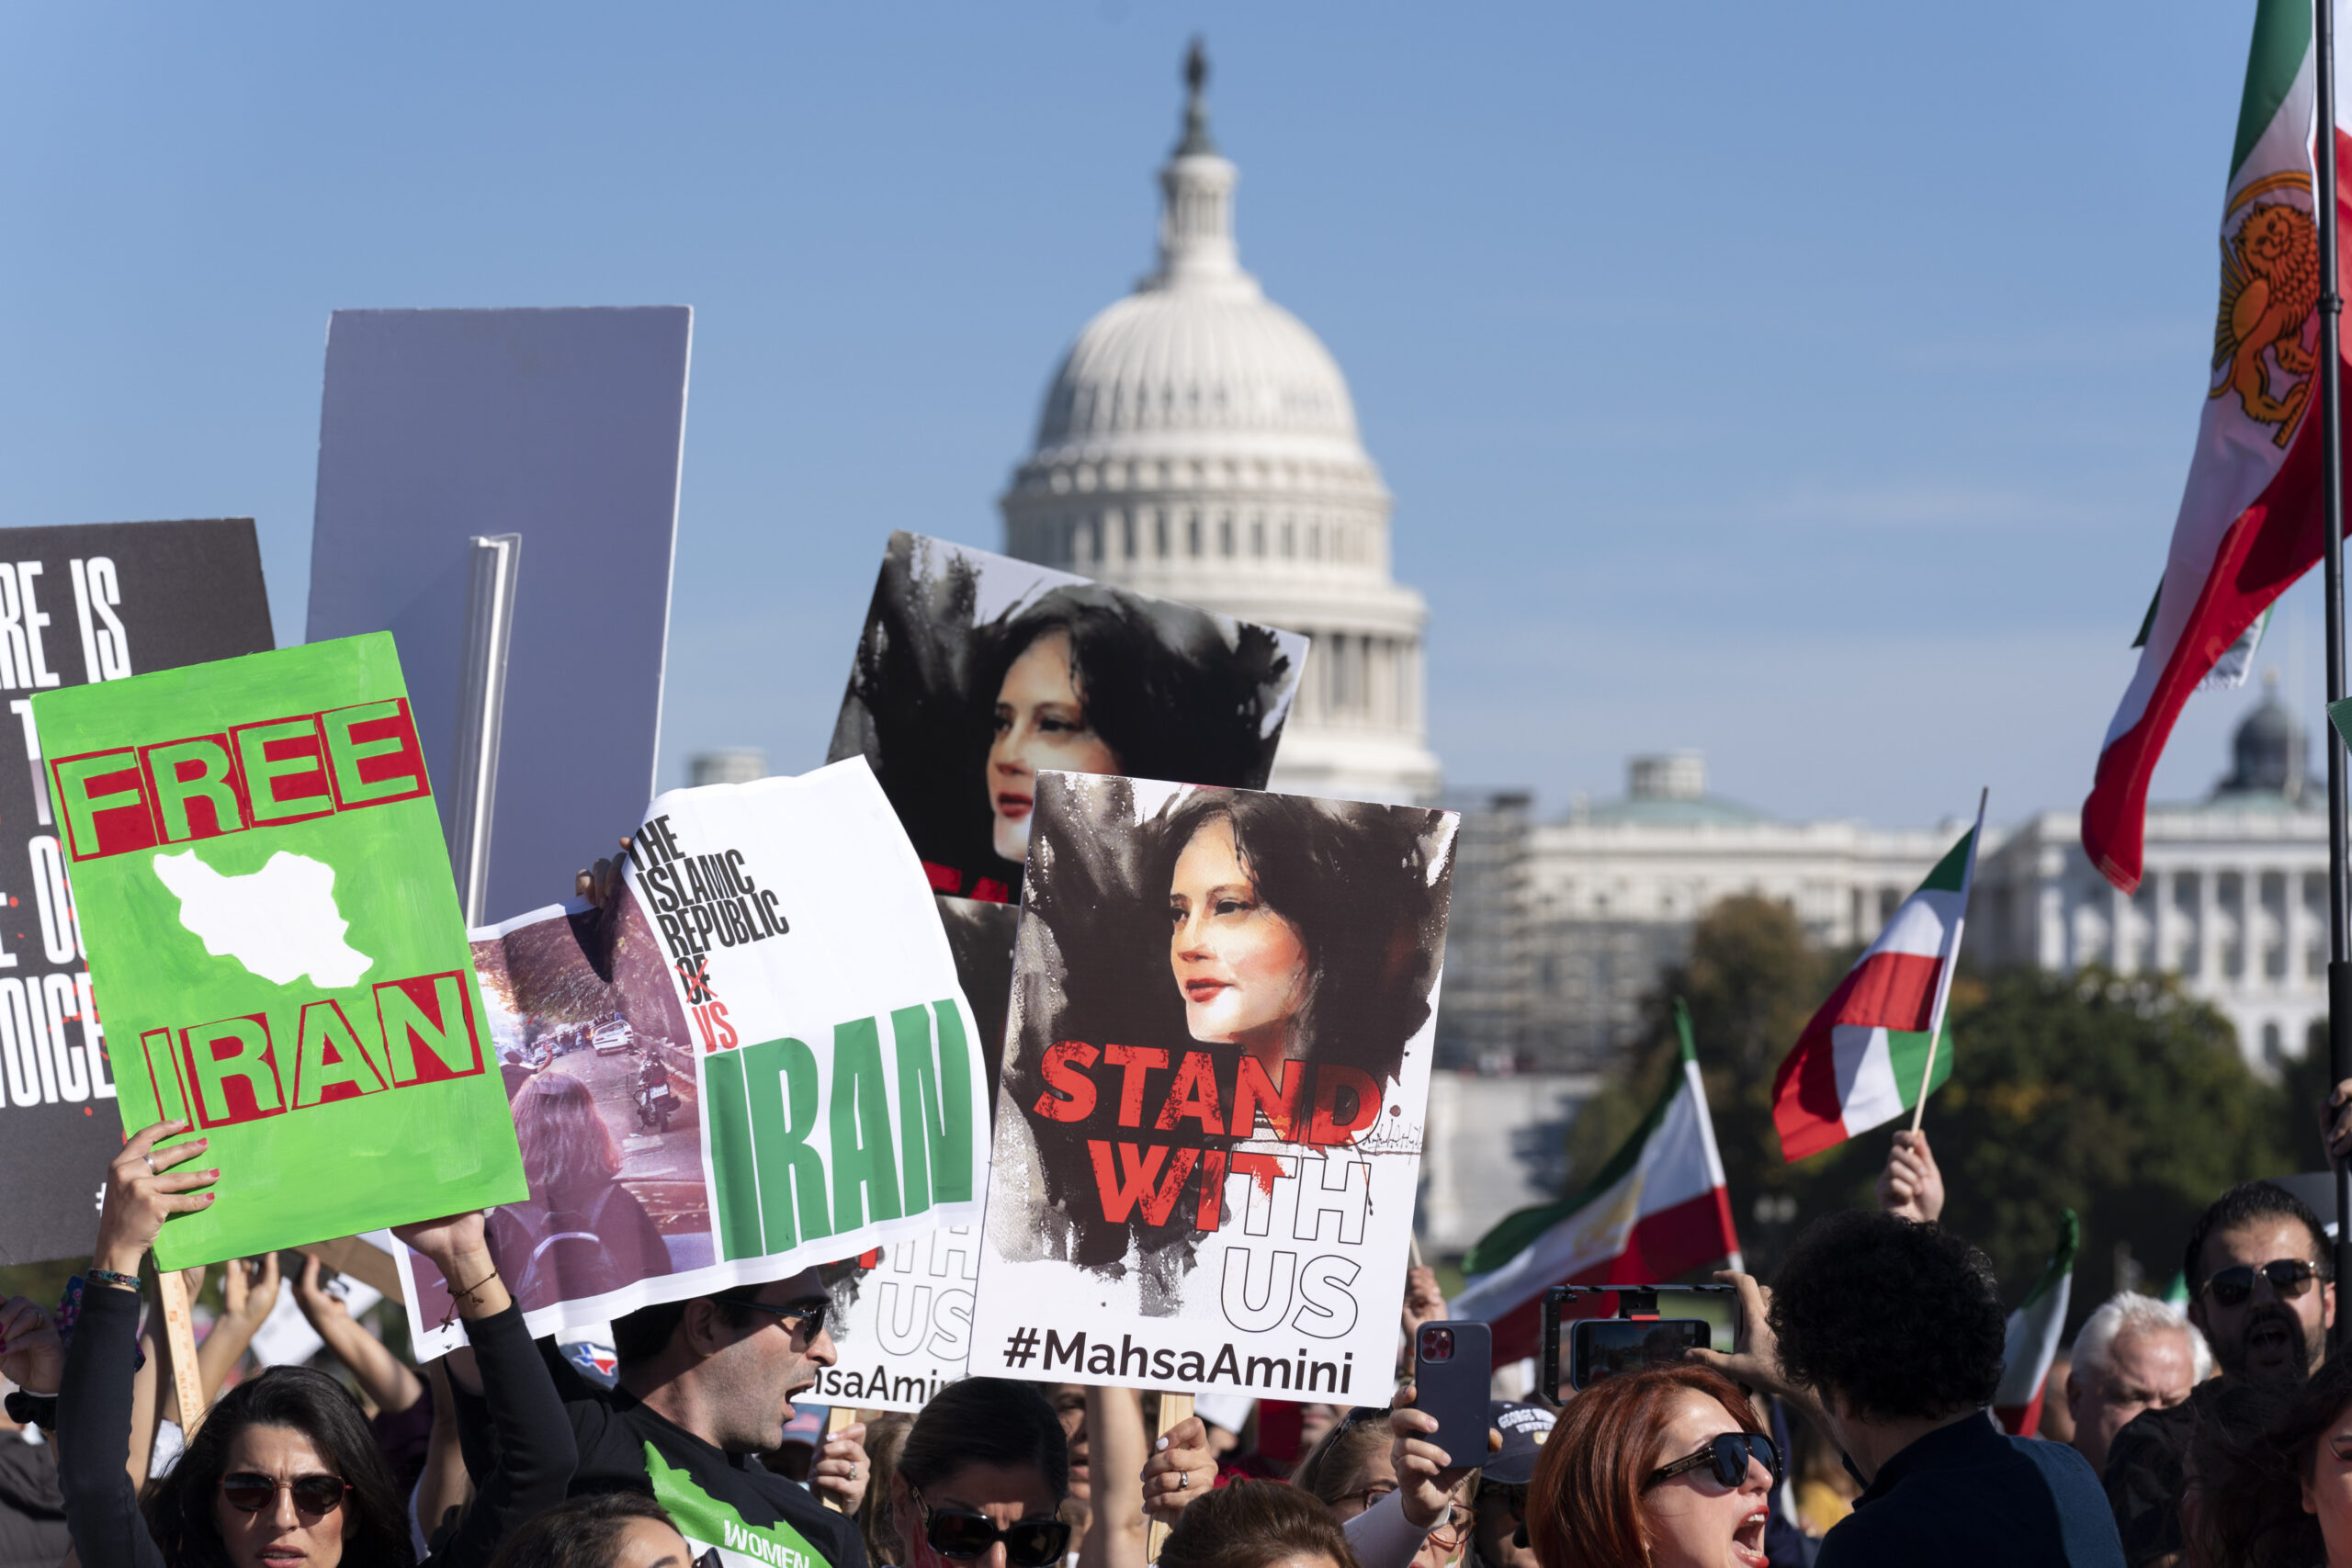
(976, 672)
(1205, 977)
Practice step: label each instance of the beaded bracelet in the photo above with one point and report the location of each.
(109, 1276)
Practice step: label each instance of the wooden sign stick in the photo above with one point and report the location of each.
(179, 1337)
(837, 1417)
(1174, 1410)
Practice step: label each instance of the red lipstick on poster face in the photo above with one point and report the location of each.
(1205, 990)
(1015, 806)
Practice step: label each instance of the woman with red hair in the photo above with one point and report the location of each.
(1666, 1467)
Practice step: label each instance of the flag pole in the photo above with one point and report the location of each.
(2339, 893)
(1958, 930)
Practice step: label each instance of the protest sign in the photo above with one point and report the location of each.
(1210, 1121)
(756, 1060)
(566, 427)
(94, 602)
(975, 671)
(908, 1333)
(266, 894)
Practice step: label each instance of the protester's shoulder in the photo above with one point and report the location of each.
(835, 1536)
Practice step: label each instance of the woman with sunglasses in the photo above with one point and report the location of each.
(982, 1478)
(1669, 1466)
(283, 1472)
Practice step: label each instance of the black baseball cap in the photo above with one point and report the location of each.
(1524, 1427)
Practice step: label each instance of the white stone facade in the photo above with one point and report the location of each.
(1198, 443)
(1616, 888)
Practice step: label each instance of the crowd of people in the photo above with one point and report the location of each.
(1849, 1424)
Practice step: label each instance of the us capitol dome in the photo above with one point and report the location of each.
(1198, 443)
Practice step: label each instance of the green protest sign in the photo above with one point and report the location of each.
(275, 943)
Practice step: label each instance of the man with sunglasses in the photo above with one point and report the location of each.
(2261, 1290)
(705, 1387)
(1889, 1332)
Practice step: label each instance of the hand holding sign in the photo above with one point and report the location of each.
(142, 1191)
(32, 1355)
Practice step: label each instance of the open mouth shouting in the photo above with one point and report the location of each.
(1748, 1541)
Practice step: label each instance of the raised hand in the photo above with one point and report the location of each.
(599, 884)
(142, 1190)
(458, 1248)
(249, 1297)
(843, 1469)
(1427, 1476)
(1911, 1188)
(32, 1355)
(1182, 1468)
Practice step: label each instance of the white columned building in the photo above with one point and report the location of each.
(1198, 443)
(2233, 899)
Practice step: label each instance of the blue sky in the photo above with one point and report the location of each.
(1811, 384)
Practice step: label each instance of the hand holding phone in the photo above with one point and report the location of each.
(1453, 1380)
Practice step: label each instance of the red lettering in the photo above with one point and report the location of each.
(1138, 1178)
(233, 1071)
(103, 797)
(428, 1026)
(194, 785)
(372, 754)
(1212, 1210)
(942, 878)
(1193, 1094)
(1069, 1093)
(1263, 1168)
(727, 1038)
(1134, 1062)
(1330, 1078)
(1277, 1097)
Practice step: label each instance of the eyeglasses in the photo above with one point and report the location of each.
(1729, 1452)
(2290, 1277)
(806, 1308)
(314, 1495)
(962, 1534)
(1459, 1520)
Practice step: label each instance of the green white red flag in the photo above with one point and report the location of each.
(2030, 1348)
(2249, 523)
(1863, 1059)
(1657, 1210)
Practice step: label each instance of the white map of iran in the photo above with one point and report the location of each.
(280, 922)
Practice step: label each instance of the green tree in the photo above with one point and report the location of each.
(2122, 1098)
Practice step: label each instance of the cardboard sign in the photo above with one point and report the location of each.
(97, 602)
(566, 427)
(1222, 1012)
(266, 894)
(976, 672)
(758, 1060)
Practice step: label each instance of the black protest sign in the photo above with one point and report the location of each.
(94, 602)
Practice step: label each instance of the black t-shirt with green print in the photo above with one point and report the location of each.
(751, 1516)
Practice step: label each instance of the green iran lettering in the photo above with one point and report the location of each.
(774, 1190)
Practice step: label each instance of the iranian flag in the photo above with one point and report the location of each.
(1658, 1209)
(2249, 521)
(2032, 1341)
(1864, 1058)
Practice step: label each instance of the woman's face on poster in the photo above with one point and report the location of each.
(1040, 723)
(1241, 965)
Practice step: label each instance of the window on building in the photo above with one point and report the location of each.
(1192, 534)
(2273, 1048)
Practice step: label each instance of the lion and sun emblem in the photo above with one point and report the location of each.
(2269, 289)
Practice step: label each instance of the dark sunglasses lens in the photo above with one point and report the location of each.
(250, 1493)
(1034, 1543)
(2231, 1287)
(2288, 1279)
(1733, 1450)
(960, 1535)
(318, 1493)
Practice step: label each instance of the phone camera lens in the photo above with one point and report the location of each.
(1437, 1343)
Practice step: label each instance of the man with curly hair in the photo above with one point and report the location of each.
(1888, 1332)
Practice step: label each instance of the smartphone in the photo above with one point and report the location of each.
(1638, 1336)
(1603, 1347)
(1454, 1374)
